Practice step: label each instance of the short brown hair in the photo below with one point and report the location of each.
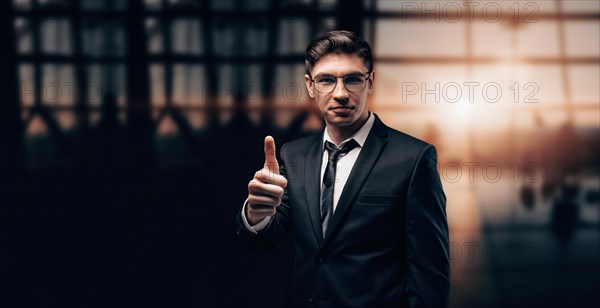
(339, 42)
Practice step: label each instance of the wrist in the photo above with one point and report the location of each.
(252, 220)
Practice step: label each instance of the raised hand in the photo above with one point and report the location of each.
(266, 188)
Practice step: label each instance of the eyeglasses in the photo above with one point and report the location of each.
(353, 82)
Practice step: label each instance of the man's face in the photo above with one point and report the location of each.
(340, 107)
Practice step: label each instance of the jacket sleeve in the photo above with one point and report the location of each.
(426, 235)
(278, 228)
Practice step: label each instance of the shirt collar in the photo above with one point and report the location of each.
(360, 136)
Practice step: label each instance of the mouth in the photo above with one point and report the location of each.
(342, 111)
(341, 108)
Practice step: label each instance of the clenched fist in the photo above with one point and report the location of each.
(266, 188)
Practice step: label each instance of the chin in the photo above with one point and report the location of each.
(341, 121)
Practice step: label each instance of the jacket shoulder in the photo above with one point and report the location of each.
(410, 146)
(396, 136)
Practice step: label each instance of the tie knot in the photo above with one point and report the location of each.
(334, 151)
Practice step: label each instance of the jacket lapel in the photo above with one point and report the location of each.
(369, 154)
(312, 178)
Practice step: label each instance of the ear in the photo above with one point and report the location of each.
(309, 86)
(371, 81)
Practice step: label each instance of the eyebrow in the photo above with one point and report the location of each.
(351, 73)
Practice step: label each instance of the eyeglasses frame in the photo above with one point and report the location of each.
(366, 75)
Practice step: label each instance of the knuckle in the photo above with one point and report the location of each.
(252, 191)
(254, 187)
(269, 200)
(280, 192)
(254, 201)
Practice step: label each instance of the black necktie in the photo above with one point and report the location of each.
(329, 179)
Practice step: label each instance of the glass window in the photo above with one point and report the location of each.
(289, 87)
(154, 35)
(491, 39)
(157, 85)
(417, 39)
(543, 83)
(55, 35)
(27, 85)
(580, 6)
(417, 84)
(185, 36)
(103, 38)
(23, 36)
(582, 38)
(584, 81)
(58, 85)
(188, 85)
(538, 39)
(293, 36)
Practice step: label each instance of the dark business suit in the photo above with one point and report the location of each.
(387, 242)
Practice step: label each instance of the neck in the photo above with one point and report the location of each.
(339, 134)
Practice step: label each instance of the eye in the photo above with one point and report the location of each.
(325, 80)
(353, 79)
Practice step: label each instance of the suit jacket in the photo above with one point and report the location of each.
(387, 242)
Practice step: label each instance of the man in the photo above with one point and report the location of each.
(363, 202)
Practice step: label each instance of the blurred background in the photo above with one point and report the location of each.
(129, 131)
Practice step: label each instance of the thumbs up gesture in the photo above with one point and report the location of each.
(266, 188)
(270, 159)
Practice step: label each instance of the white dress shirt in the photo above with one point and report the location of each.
(344, 167)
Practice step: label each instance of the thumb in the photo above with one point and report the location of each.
(270, 159)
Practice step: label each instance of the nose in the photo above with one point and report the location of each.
(340, 93)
